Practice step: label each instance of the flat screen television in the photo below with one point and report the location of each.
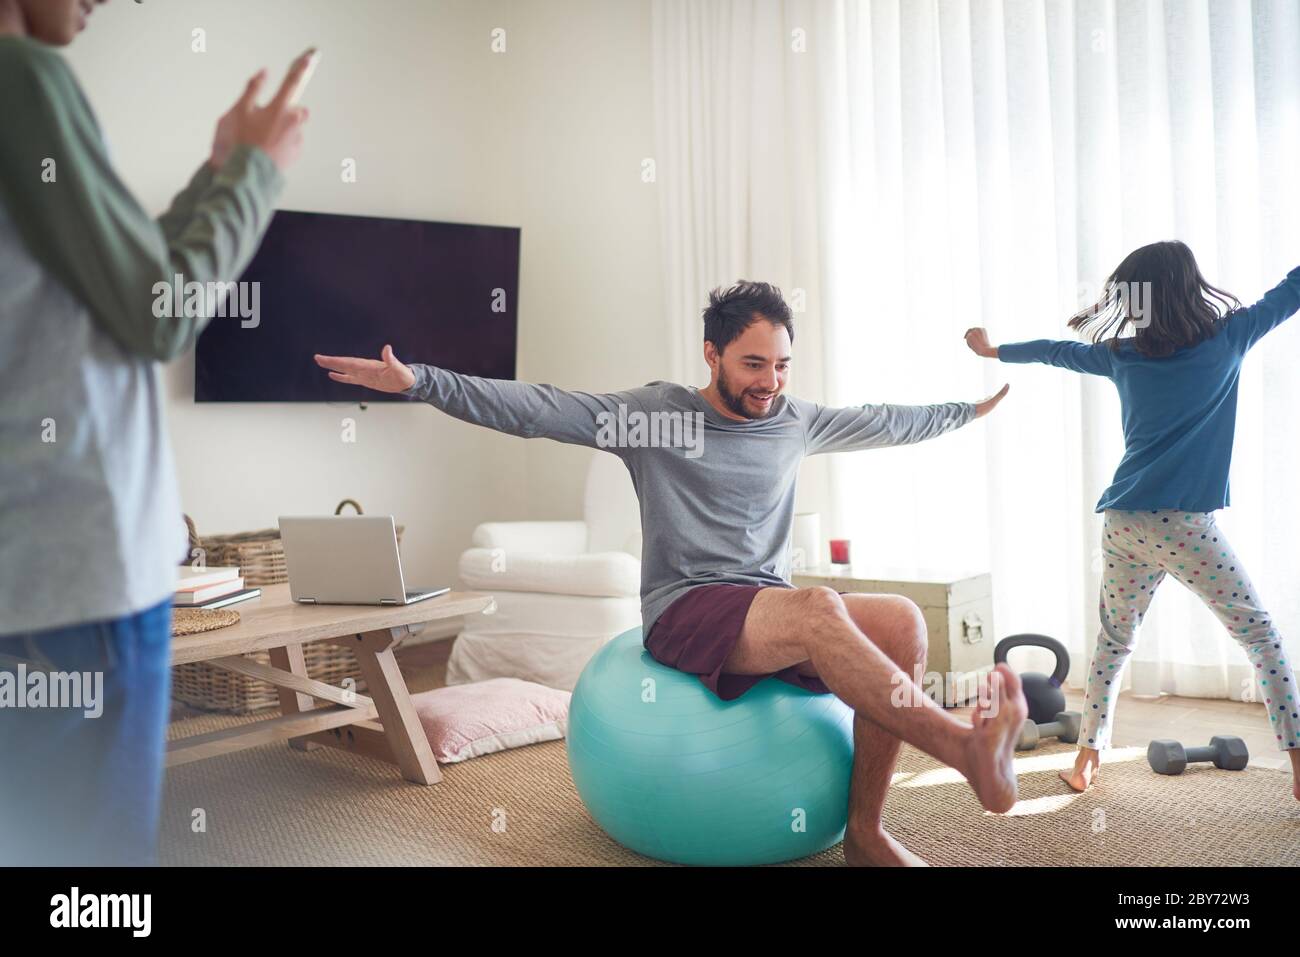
(441, 293)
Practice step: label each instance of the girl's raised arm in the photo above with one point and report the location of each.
(1247, 326)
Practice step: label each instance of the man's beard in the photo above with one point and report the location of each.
(736, 401)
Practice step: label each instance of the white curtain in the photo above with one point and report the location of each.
(906, 169)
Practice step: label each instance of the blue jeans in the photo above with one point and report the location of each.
(82, 784)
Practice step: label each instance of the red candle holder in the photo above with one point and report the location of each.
(839, 551)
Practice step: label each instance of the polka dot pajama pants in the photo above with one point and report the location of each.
(1140, 548)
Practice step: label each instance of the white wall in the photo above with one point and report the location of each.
(547, 136)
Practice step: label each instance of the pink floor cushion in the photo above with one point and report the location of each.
(465, 721)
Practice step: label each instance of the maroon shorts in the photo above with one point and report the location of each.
(696, 633)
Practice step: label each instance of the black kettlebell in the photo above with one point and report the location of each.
(1043, 693)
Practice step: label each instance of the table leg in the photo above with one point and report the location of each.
(387, 688)
(292, 702)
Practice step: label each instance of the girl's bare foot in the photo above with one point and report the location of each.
(1295, 772)
(990, 747)
(865, 847)
(1087, 768)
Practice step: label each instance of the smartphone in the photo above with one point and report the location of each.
(313, 58)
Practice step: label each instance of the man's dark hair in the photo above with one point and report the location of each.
(730, 312)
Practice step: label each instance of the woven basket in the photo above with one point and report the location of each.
(260, 558)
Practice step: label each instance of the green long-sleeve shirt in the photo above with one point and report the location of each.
(90, 512)
(82, 224)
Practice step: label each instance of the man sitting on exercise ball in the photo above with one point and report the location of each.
(716, 515)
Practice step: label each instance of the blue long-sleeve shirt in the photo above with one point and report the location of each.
(1179, 411)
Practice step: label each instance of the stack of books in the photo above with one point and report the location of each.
(210, 588)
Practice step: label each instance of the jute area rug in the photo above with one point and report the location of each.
(272, 805)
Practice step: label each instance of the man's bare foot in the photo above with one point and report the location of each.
(876, 848)
(990, 747)
(1087, 768)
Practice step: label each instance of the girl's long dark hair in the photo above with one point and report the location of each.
(1181, 308)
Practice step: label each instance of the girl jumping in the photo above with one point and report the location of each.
(1176, 374)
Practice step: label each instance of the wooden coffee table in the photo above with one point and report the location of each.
(381, 723)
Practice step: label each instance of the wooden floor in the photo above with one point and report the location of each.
(1192, 721)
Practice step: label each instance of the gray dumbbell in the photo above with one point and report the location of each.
(1065, 727)
(1170, 757)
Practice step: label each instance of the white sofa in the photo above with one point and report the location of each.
(562, 589)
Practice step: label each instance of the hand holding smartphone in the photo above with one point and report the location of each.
(275, 128)
(299, 82)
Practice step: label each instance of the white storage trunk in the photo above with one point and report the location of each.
(958, 610)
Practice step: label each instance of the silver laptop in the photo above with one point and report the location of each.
(346, 560)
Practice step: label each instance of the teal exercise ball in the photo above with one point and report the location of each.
(671, 771)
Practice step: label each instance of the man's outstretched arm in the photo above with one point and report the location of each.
(516, 408)
(879, 426)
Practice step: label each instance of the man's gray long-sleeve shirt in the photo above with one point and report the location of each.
(717, 494)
